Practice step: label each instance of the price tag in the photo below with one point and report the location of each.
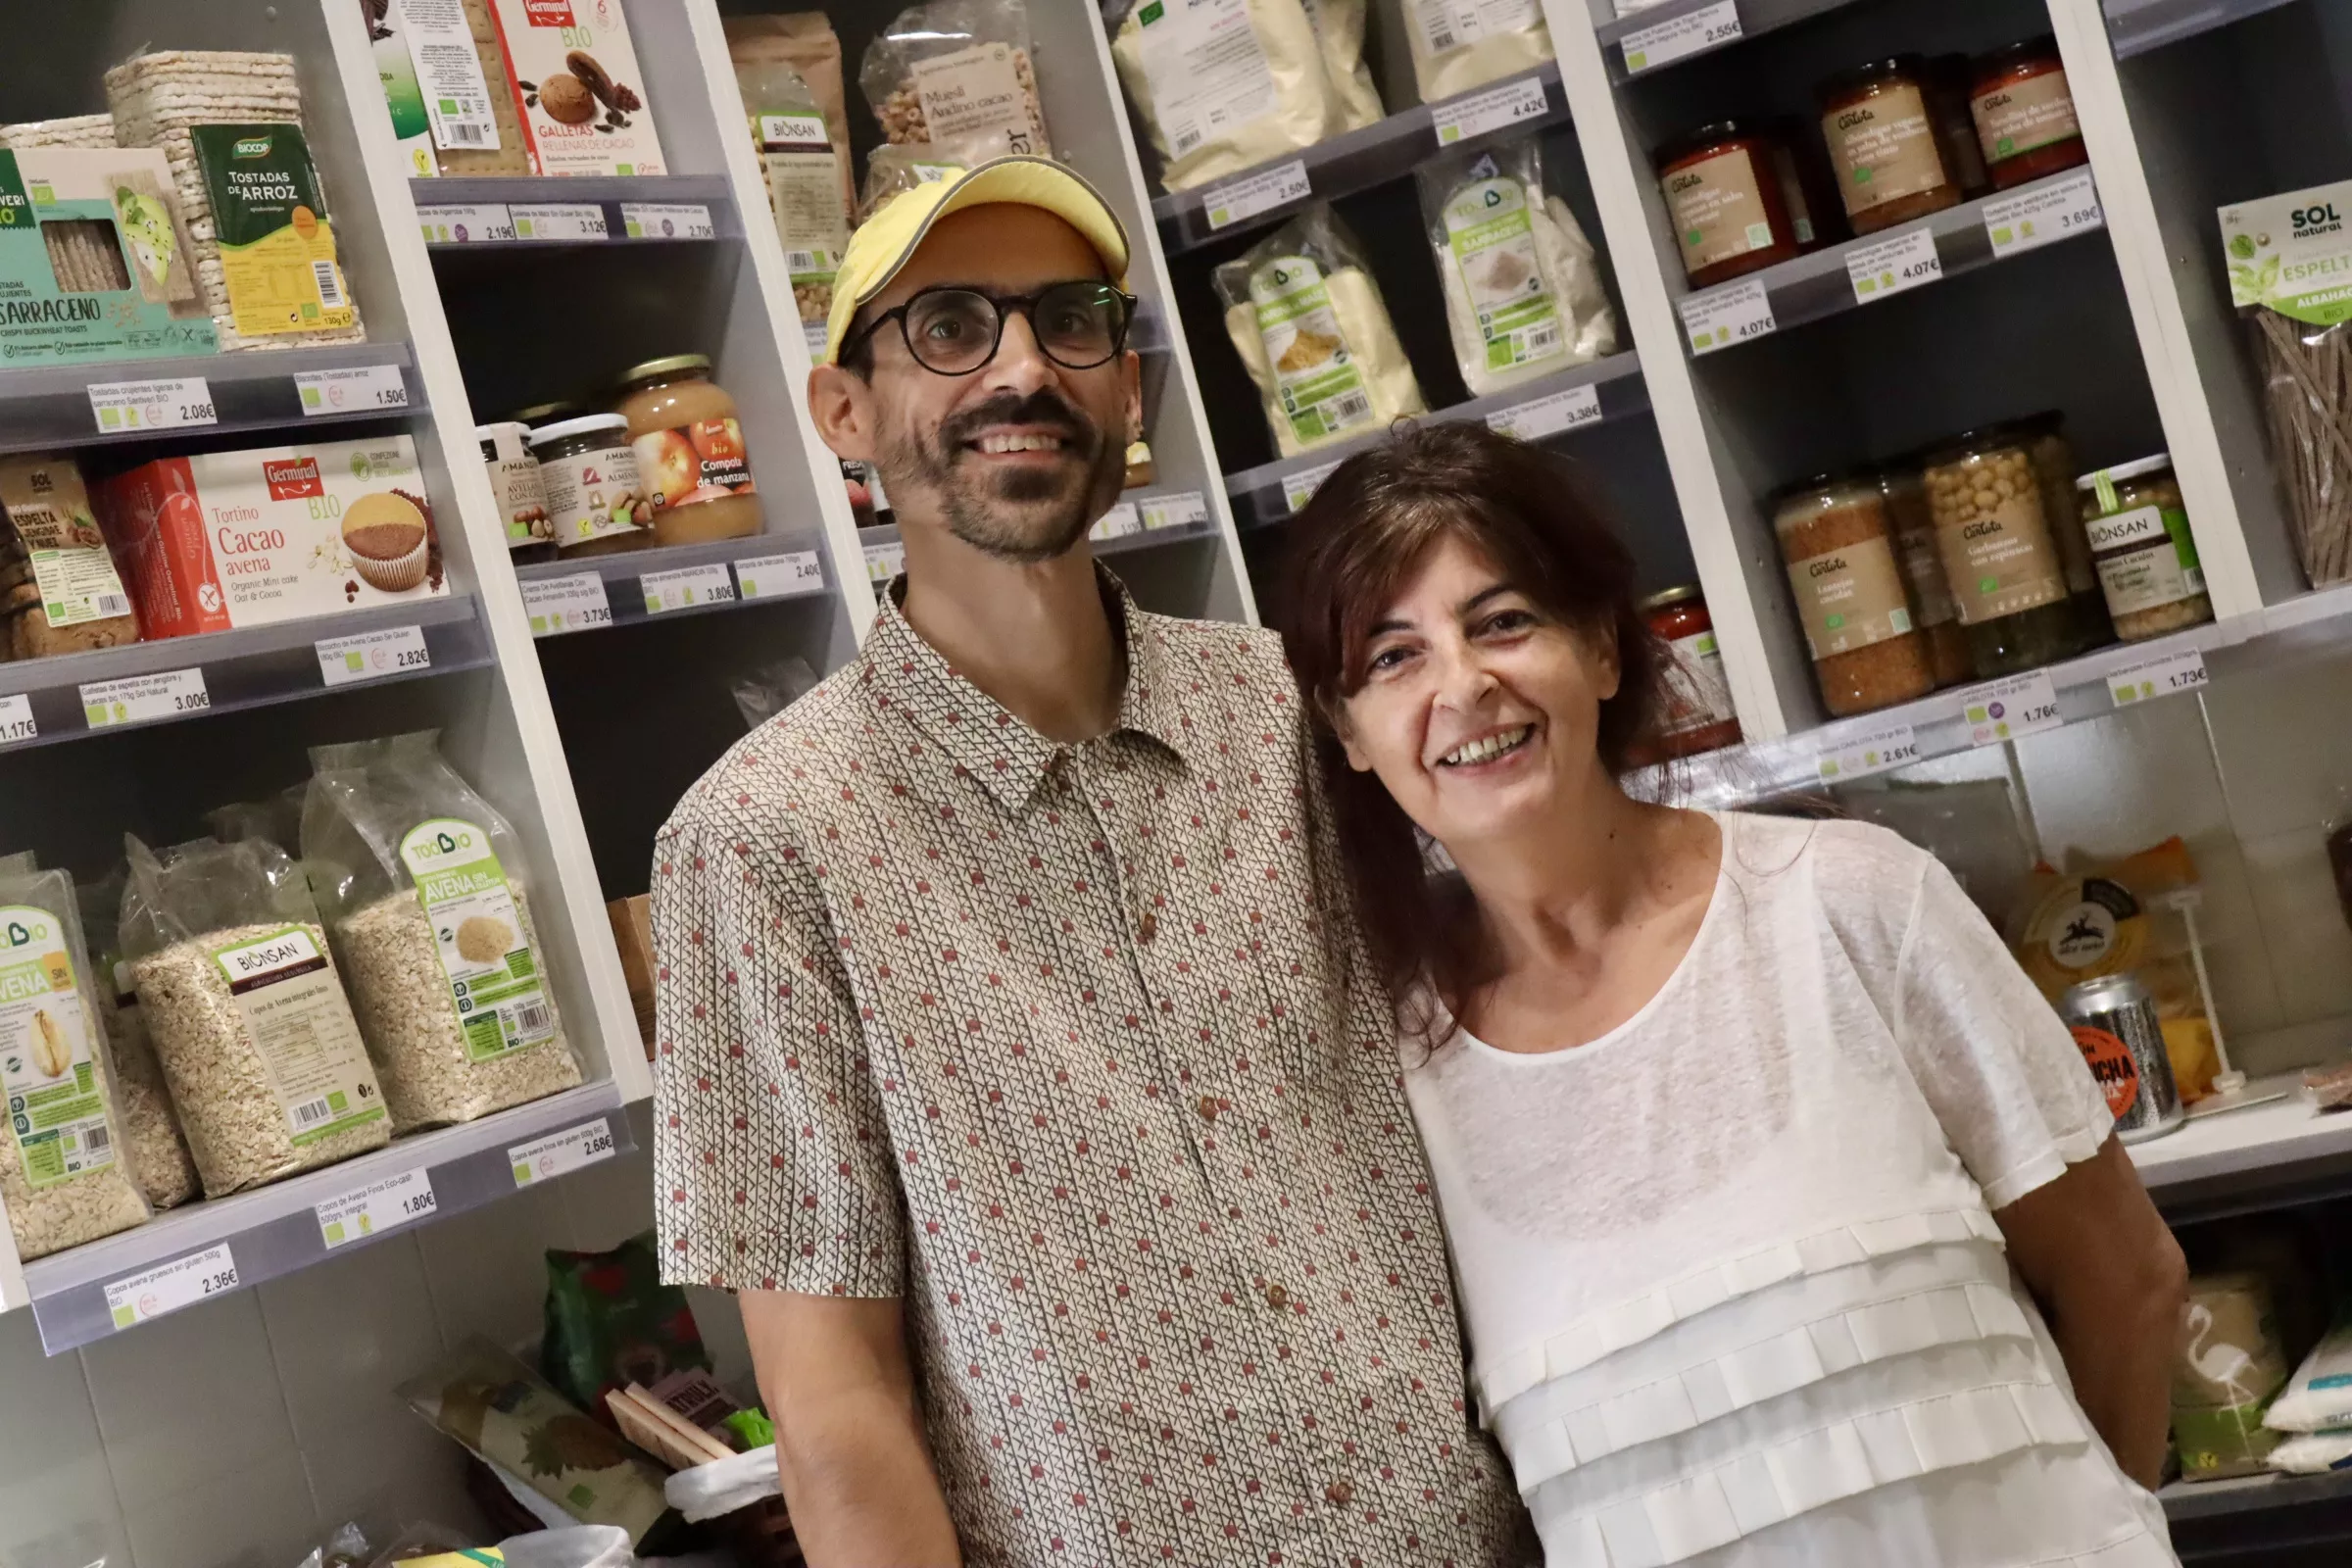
(1236, 198)
(16, 720)
(1118, 523)
(2009, 710)
(2063, 208)
(558, 1152)
(136, 698)
(1514, 102)
(1300, 488)
(815, 334)
(353, 391)
(372, 655)
(559, 221)
(379, 1206)
(884, 561)
(1177, 509)
(1874, 751)
(1722, 316)
(2138, 683)
(122, 406)
(1664, 43)
(665, 220)
(687, 588)
(1549, 417)
(169, 1287)
(779, 576)
(466, 225)
(574, 602)
(1892, 265)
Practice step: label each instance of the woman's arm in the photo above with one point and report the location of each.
(2105, 1267)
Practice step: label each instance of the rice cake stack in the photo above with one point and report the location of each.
(159, 100)
(81, 130)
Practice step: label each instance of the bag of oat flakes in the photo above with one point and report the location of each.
(423, 884)
(958, 68)
(152, 1140)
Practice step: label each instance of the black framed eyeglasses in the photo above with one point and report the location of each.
(955, 331)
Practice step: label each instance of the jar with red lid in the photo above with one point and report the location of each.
(2023, 113)
(1698, 716)
(1881, 137)
(1725, 198)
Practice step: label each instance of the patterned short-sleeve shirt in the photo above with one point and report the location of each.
(1074, 1048)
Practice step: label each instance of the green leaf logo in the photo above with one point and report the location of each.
(2241, 246)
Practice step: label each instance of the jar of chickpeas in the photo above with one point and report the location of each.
(1998, 552)
(1838, 543)
(2147, 559)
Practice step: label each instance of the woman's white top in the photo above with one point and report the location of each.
(1735, 1291)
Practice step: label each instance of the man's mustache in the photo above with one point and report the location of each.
(1043, 409)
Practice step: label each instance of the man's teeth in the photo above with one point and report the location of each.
(1493, 746)
(1019, 443)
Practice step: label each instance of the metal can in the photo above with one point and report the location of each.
(2116, 1028)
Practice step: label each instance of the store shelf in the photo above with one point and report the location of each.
(254, 666)
(1808, 288)
(275, 1230)
(627, 593)
(608, 193)
(1755, 17)
(2184, 1501)
(1390, 149)
(44, 406)
(1265, 495)
(2136, 26)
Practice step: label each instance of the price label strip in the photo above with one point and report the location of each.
(137, 699)
(379, 1206)
(372, 655)
(687, 588)
(1300, 488)
(1549, 417)
(16, 720)
(2060, 209)
(779, 576)
(368, 388)
(559, 221)
(665, 220)
(1118, 523)
(2011, 710)
(1874, 751)
(466, 225)
(1719, 317)
(122, 406)
(1514, 103)
(169, 1287)
(883, 562)
(1179, 510)
(1648, 48)
(1892, 266)
(557, 605)
(558, 1152)
(1234, 200)
(2168, 676)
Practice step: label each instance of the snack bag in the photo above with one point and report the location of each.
(611, 1322)
(958, 68)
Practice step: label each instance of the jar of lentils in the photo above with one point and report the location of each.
(1838, 543)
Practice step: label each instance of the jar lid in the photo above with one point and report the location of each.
(699, 363)
(541, 413)
(1707, 135)
(1870, 73)
(1812, 483)
(1669, 596)
(586, 425)
(2137, 469)
(2002, 433)
(2044, 47)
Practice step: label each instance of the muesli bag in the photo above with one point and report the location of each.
(152, 1140)
(892, 170)
(422, 882)
(246, 1012)
(958, 68)
(63, 1177)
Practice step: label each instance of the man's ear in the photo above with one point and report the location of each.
(1133, 379)
(840, 403)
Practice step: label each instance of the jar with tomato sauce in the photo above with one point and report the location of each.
(1698, 716)
(2023, 113)
(1727, 202)
(1880, 130)
(690, 455)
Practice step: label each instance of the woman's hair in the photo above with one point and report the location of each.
(1353, 550)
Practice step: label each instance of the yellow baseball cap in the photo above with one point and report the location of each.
(883, 242)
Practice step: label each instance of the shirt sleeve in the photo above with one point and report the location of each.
(771, 1153)
(2000, 1069)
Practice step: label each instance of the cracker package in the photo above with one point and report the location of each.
(76, 130)
(65, 596)
(94, 259)
(570, 65)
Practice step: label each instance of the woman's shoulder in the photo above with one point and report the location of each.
(1864, 878)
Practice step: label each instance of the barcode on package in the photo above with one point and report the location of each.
(463, 135)
(1440, 42)
(1348, 410)
(1187, 139)
(112, 605)
(313, 1110)
(799, 261)
(1542, 340)
(95, 1140)
(331, 287)
(533, 1018)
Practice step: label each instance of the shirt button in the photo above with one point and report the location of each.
(1339, 1492)
(1277, 1298)
(1208, 1107)
(1148, 927)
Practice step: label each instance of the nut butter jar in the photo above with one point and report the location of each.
(595, 503)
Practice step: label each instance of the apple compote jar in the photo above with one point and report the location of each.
(690, 455)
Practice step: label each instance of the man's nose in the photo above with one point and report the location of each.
(1020, 366)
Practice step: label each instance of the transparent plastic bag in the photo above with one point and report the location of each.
(1523, 294)
(1307, 319)
(2307, 396)
(1339, 32)
(892, 170)
(423, 884)
(1215, 106)
(152, 1140)
(957, 68)
(1459, 45)
(803, 173)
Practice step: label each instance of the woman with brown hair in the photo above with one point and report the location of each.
(1785, 1215)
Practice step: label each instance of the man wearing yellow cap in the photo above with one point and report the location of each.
(1018, 1063)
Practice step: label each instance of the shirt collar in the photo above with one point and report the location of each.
(905, 674)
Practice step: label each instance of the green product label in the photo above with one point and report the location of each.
(2224, 1439)
(91, 266)
(56, 1109)
(2292, 254)
(300, 1021)
(495, 985)
(1322, 390)
(1492, 234)
(397, 72)
(277, 246)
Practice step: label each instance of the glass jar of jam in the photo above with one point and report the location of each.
(1838, 543)
(1698, 716)
(1998, 555)
(1882, 143)
(595, 505)
(1725, 195)
(2025, 115)
(689, 447)
(1937, 614)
